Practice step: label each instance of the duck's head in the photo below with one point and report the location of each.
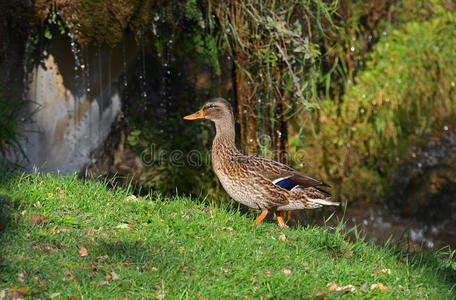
(217, 109)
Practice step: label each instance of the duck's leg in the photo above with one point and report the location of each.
(280, 220)
(260, 218)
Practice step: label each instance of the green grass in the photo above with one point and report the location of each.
(177, 248)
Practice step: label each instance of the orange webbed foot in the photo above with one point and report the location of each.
(261, 217)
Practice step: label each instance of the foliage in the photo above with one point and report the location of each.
(86, 19)
(406, 90)
(13, 116)
(274, 45)
(67, 238)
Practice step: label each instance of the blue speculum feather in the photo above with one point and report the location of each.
(286, 183)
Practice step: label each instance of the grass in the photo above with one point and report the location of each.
(63, 238)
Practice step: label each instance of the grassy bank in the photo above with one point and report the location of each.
(62, 238)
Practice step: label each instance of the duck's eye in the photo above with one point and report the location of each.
(210, 106)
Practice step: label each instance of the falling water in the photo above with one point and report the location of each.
(124, 64)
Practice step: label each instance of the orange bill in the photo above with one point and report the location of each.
(198, 115)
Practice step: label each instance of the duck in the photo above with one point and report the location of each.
(256, 182)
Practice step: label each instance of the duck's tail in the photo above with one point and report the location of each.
(323, 202)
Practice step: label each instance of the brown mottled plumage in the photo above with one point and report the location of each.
(254, 181)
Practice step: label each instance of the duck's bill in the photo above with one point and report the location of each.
(198, 115)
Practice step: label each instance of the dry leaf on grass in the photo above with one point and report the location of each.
(286, 271)
(282, 237)
(17, 292)
(348, 254)
(321, 295)
(379, 286)
(344, 289)
(36, 219)
(102, 257)
(114, 276)
(83, 252)
(21, 276)
(131, 198)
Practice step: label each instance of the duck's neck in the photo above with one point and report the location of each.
(225, 133)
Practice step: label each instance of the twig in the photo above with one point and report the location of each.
(201, 297)
(126, 221)
(74, 280)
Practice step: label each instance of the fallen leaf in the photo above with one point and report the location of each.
(231, 230)
(282, 237)
(36, 219)
(17, 292)
(286, 271)
(114, 276)
(37, 204)
(378, 286)
(8, 205)
(154, 269)
(83, 252)
(104, 282)
(386, 271)
(336, 288)
(54, 295)
(51, 195)
(21, 276)
(131, 198)
(122, 226)
(102, 257)
(322, 295)
(267, 273)
(348, 254)
(23, 212)
(181, 249)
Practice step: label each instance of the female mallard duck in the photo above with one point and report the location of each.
(256, 182)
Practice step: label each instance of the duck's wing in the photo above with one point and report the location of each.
(280, 174)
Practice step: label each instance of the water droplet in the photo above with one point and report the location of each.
(452, 83)
(301, 164)
(361, 110)
(445, 128)
(88, 89)
(384, 33)
(251, 140)
(83, 67)
(352, 49)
